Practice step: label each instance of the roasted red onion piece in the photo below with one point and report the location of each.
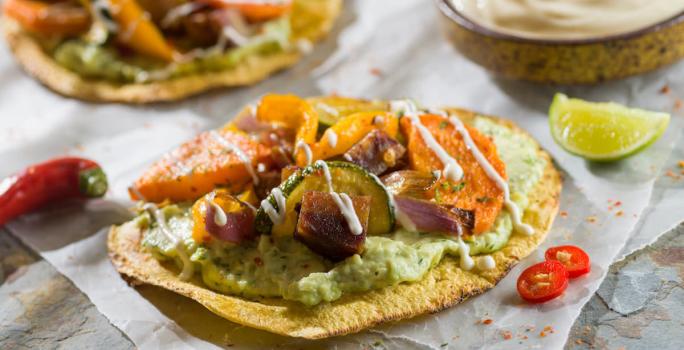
(267, 181)
(235, 225)
(428, 216)
(410, 183)
(322, 227)
(376, 152)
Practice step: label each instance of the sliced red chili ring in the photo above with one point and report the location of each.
(575, 259)
(543, 281)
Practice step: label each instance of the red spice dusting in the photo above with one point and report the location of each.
(619, 213)
(665, 89)
(376, 71)
(258, 261)
(678, 104)
(564, 214)
(487, 321)
(618, 203)
(507, 335)
(681, 163)
(591, 219)
(672, 174)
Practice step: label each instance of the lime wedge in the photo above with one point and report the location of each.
(603, 131)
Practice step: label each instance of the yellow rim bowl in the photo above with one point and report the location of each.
(585, 61)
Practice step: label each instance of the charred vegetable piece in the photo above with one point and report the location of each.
(324, 229)
(52, 181)
(376, 152)
(345, 178)
(427, 216)
(333, 108)
(219, 215)
(198, 166)
(291, 112)
(267, 181)
(476, 191)
(138, 32)
(411, 183)
(47, 18)
(349, 130)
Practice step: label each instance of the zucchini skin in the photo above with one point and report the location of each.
(264, 225)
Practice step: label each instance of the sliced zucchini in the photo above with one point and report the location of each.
(332, 108)
(346, 178)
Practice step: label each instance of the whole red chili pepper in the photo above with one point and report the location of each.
(47, 182)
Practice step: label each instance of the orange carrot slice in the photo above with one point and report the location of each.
(198, 166)
(46, 18)
(476, 191)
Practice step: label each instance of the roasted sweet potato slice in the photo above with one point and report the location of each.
(349, 130)
(376, 152)
(476, 191)
(322, 227)
(199, 165)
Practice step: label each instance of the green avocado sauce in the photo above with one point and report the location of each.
(283, 267)
(102, 61)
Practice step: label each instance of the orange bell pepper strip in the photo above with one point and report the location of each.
(351, 129)
(138, 32)
(198, 166)
(292, 112)
(476, 191)
(47, 18)
(255, 11)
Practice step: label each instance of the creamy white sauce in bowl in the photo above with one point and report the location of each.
(567, 19)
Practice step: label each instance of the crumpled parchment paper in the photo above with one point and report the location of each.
(383, 49)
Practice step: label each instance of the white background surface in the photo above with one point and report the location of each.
(403, 41)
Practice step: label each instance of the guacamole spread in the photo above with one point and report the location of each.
(103, 61)
(283, 267)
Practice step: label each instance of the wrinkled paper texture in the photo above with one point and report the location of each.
(379, 49)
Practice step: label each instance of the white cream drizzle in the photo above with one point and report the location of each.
(494, 175)
(304, 46)
(307, 151)
(343, 202)
(485, 262)
(276, 216)
(437, 174)
(328, 109)
(188, 268)
(331, 137)
(133, 189)
(220, 217)
(378, 120)
(452, 170)
(233, 148)
(466, 262)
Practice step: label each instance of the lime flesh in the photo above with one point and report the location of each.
(603, 131)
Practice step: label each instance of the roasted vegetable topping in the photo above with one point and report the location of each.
(476, 190)
(376, 152)
(224, 217)
(411, 183)
(427, 216)
(323, 228)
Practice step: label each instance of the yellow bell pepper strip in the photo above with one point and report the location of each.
(292, 112)
(351, 129)
(46, 18)
(138, 32)
(255, 11)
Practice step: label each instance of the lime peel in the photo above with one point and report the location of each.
(603, 131)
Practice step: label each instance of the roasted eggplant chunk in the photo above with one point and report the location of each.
(376, 152)
(323, 228)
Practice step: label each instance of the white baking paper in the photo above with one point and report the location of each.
(384, 49)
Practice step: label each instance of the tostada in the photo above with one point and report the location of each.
(140, 51)
(324, 216)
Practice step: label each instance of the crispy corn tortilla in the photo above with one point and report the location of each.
(312, 20)
(444, 286)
